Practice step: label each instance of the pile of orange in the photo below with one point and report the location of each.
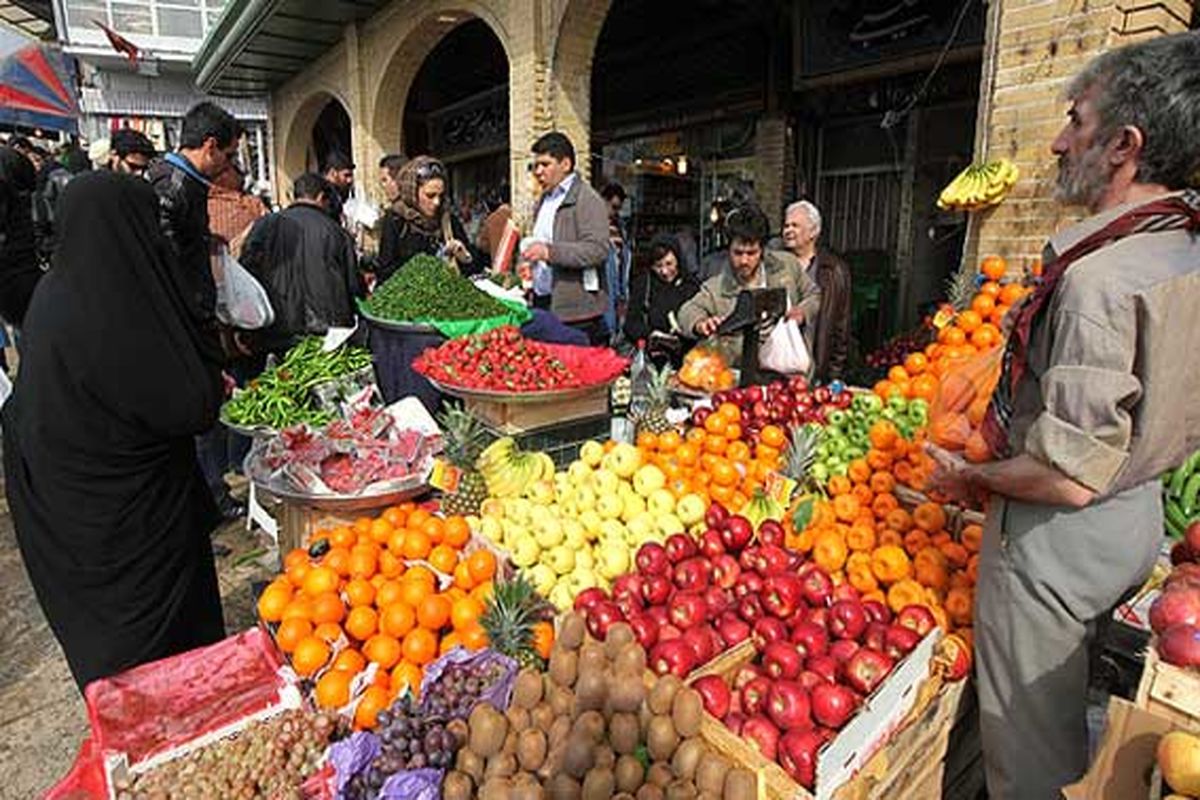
(397, 591)
(863, 535)
(714, 460)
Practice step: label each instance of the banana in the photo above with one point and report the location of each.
(496, 453)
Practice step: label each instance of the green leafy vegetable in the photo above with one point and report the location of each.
(427, 288)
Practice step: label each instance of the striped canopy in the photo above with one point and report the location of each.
(37, 89)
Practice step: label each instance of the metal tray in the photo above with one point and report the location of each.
(252, 431)
(398, 327)
(357, 502)
(523, 398)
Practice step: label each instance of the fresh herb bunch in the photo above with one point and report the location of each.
(282, 395)
(427, 288)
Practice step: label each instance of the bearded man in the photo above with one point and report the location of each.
(1096, 400)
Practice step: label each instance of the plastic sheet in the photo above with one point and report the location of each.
(962, 400)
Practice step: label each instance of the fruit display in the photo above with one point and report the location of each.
(1178, 756)
(1181, 496)
(979, 186)
(705, 369)
(851, 432)
(269, 758)
(395, 591)
(502, 360)
(427, 288)
(1175, 614)
(283, 395)
(509, 471)
(580, 528)
(781, 403)
(592, 726)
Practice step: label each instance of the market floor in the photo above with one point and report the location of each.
(42, 716)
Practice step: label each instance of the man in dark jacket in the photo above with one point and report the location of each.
(307, 264)
(831, 340)
(571, 229)
(181, 181)
(52, 180)
(19, 270)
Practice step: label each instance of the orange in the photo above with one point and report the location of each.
(389, 592)
(328, 607)
(483, 591)
(444, 558)
(420, 647)
(338, 560)
(993, 268)
(434, 612)
(695, 435)
(986, 336)
(416, 518)
(952, 336)
(687, 454)
(721, 494)
(738, 451)
(383, 650)
(1010, 293)
(773, 436)
(414, 591)
(395, 542)
(381, 530)
(417, 544)
(297, 555)
(991, 289)
(397, 619)
(647, 441)
(457, 533)
(724, 474)
(716, 444)
(396, 517)
(465, 612)
(359, 592)
(983, 303)
(350, 661)
(898, 374)
(715, 424)
(320, 580)
(669, 442)
(474, 637)
(373, 700)
(967, 321)
(300, 607)
(309, 656)
(290, 632)
(390, 565)
(407, 676)
(482, 565)
(435, 529)
(730, 412)
(884, 388)
(733, 431)
(362, 623)
(421, 574)
(342, 537)
(273, 602)
(925, 386)
(450, 641)
(363, 562)
(328, 632)
(363, 525)
(462, 576)
(916, 363)
(333, 689)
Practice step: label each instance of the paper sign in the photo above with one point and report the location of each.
(445, 476)
(779, 488)
(944, 316)
(336, 337)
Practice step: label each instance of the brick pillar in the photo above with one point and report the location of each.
(529, 114)
(361, 150)
(770, 168)
(1033, 49)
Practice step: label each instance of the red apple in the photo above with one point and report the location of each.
(725, 571)
(656, 589)
(877, 611)
(674, 656)
(798, 751)
(771, 532)
(754, 695)
(748, 583)
(732, 629)
(1178, 605)
(760, 730)
(645, 630)
(767, 630)
(734, 720)
(875, 637)
(714, 694)
(826, 666)
(601, 617)
(847, 619)
(845, 591)
(743, 675)
(700, 639)
(680, 546)
(716, 515)
(781, 660)
(750, 609)
(917, 618)
(718, 600)
(819, 616)
(652, 559)
(788, 705)
(866, 669)
(711, 544)
(687, 609)
(1180, 645)
(842, 649)
(736, 533)
(832, 705)
(782, 595)
(810, 639)
(817, 588)
(900, 641)
(588, 598)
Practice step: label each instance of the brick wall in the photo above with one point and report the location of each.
(771, 153)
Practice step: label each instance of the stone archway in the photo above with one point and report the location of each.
(298, 140)
(570, 74)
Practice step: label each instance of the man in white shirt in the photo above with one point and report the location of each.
(571, 229)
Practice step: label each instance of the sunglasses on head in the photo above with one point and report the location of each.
(430, 170)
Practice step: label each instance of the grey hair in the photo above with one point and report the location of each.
(810, 211)
(1153, 86)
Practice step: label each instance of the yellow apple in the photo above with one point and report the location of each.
(609, 506)
(624, 460)
(525, 551)
(612, 529)
(661, 501)
(613, 559)
(690, 509)
(542, 492)
(648, 479)
(632, 506)
(548, 533)
(584, 498)
(605, 481)
(584, 559)
(542, 576)
(591, 453)
(590, 521)
(574, 534)
(562, 596)
(579, 473)
(668, 524)
(492, 529)
(561, 559)
(492, 507)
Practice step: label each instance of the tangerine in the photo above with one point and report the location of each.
(381, 530)
(363, 562)
(273, 602)
(462, 576)
(420, 646)
(482, 565)
(297, 555)
(435, 529)
(362, 623)
(359, 592)
(465, 612)
(457, 532)
(396, 516)
(773, 436)
(328, 607)
(328, 632)
(350, 661)
(916, 363)
(983, 303)
(300, 607)
(290, 632)
(333, 689)
(434, 612)
(343, 537)
(397, 619)
(474, 637)
(320, 580)
(383, 650)
(309, 656)
(417, 544)
(389, 592)
(444, 558)
(991, 289)
(390, 564)
(407, 676)
(373, 700)
(993, 268)
(967, 321)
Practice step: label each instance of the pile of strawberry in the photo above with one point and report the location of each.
(499, 360)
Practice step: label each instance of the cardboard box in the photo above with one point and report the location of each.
(1124, 765)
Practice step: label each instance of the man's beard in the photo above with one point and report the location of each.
(1084, 182)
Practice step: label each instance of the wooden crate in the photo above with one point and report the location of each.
(1169, 691)
(511, 418)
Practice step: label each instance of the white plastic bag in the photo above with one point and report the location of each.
(241, 300)
(6, 387)
(784, 351)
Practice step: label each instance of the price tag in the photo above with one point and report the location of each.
(445, 476)
(779, 488)
(944, 316)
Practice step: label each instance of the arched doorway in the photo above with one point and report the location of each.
(457, 109)
(330, 134)
(319, 126)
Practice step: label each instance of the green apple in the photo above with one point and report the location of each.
(609, 506)
(690, 509)
(561, 559)
(624, 459)
(590, 521)
(613, 559)
(648, 479)
(549, 533)
(542, 492)
(605, 481)
(579, 473)
(525, 551)
(661, 501)
(562, 596)
(542, 576)
(591, 453)
(668, 524)
(492, 529)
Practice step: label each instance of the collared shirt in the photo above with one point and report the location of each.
(1114, 370)
(543, 230)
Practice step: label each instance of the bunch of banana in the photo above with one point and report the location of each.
(1181, 496)
(979, 186)
(508, 470)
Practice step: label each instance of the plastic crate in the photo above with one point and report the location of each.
(562, 442)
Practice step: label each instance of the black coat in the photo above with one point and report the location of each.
(307, 264)
(399, 241)
(19, 270)
(183, 220)
(652, 301)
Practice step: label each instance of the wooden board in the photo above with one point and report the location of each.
(1170, 691)
(512, 418)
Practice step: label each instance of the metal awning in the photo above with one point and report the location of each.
(32, 17)
(257, 45)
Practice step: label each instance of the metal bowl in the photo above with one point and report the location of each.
(357, 502)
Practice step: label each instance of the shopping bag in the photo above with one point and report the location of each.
(961, 402)
(241, 300)
(784, 351)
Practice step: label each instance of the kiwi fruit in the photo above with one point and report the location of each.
(459, 729)
(579, 755)
(659, 774)
(623, 796)
(710, 775)
(624, 732)
(564, 667)
(542, 717)
(488, 730)
(501, 765)
(591, 690)
(527, 691)
(510, 743)
(630, 661)
(562, 700)
(531, 749)
(599, 784)
(589, 725)
(619, 635)
(687, 757)
(605, 758)
(495, 789)
(518, 718)
(592, 657)
(686, 711)
(571, 630)
(663, 694)
(740, 784)
(563, 787)
(629, 773)
(559, 730)
(661, 738)
(681, 790)
(457, 786)
(649, 791)
(526, 787)
(470, 764)
(626, 692)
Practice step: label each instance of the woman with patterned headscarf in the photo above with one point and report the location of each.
(420, 219)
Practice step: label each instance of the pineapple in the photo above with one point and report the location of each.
(654, 419)
(961, 289)
(509, 617)
(801, 454)
(465, 438)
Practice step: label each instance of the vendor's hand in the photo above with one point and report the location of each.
(796, 314)
(707, 327)
(228, 383)
(538, 251)
(951, 474)
(458, 251)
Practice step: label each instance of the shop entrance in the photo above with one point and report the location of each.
(330, 134)
(457, 110)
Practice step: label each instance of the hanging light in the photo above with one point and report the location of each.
(681, 165)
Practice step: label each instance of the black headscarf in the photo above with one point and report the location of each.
(19, 270)
(117, 376)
